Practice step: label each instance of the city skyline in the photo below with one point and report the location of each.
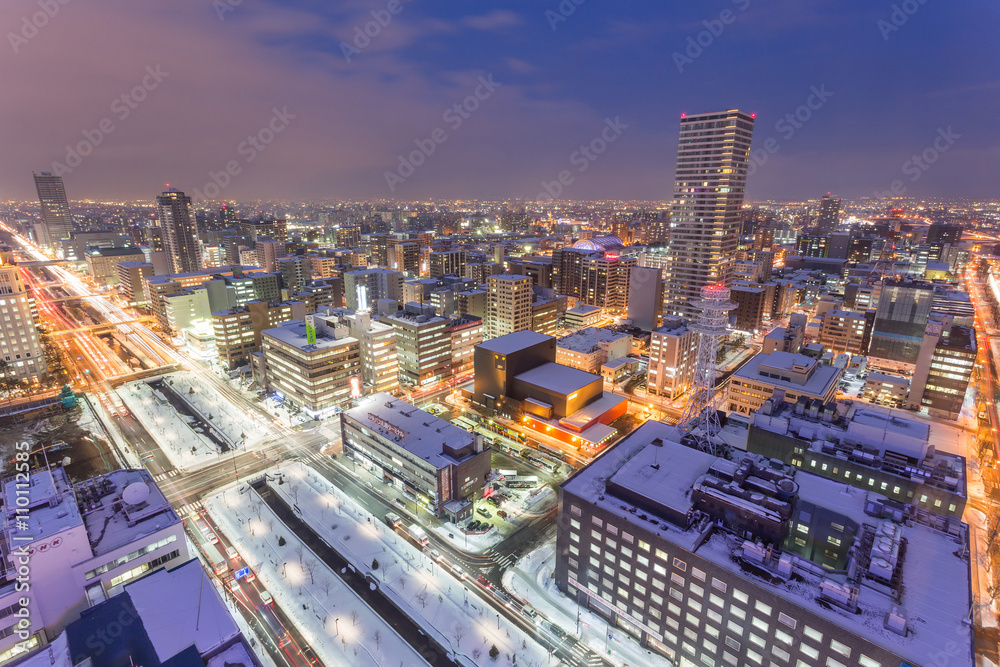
(539, 83)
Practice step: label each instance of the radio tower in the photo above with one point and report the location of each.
(700, 419)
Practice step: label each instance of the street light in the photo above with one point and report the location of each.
(336, 623)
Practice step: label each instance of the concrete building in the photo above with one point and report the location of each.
(57, 220)
(582, 315)
(829, 214)
(363, 287)
(589, 349)
(379, 355)
(238, 330)
(707, 561)
(20, 345)
(312, 371)
(102, 263)
(180, 231)
(545, 315)
(645, 297)
(867, 447)
(944, 368)
(885, 389)
(466, 334)
(295, 271)
(349, 236)
(423, 342)
(783, 375)
(784, 339)
(900, 320)
(480, 272)
(673, 353)
(130, 277)
(845, 331)
(509, 300)
(80, 543)
(404, 256)
(273, 229)
(604, 281)
(710, 177)
(430, 461)
(751, 304)
(269, 253)
(445, 262)
(472, 302)
(317, 293)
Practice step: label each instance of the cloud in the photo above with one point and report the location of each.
(492, 21)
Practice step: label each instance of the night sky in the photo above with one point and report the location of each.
(200, 77)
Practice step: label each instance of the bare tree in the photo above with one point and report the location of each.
(309, 567)
(457, 633)
(378, 638)
(326, 585)
(422, 598)
(299, 551)
(354, 616)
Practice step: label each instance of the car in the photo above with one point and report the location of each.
(435, 554)
(400, 502)
(232, 553)
(212, 538)
(250, 575)
(484, 582)
(482, 511)
(266, 598)
(472, 525)
(234, 585)
(529, 612)
(502, 514)
(458, 571)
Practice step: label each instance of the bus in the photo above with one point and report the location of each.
(417, 534)
(274, 625)
(525, 482)
(508, 447)
(219, 564)
(464, 422)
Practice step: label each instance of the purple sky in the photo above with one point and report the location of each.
(892, 91)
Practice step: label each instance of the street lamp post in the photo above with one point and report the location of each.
(336, 623)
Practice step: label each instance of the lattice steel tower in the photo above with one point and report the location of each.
(700, 419)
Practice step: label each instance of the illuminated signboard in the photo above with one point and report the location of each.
(381, 423)
(355, 387)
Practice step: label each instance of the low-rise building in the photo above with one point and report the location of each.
(430, 461)
(583, 315)
(784, 375)
(102, 263)
(588, 349)
(885, 389)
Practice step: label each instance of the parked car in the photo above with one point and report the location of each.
(482, 511)
(502, 514)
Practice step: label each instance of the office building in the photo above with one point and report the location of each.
(811, 245)
(847, 331)
(589, 349)
(508, 309)
(604, 281)
(943, 233)
(238, 329)
(567, 263)
(55, 207)
(309, 365)
(472, 302)
(708, 561)
(404, 256)
(432, 462)
(583, 315)
(379, 356)
(673, 353)
(447, 262)
(466, 334)
(545, 315)
(295, 271)
(264, 229)
(130, 277)
(645, 297)
(83, 542)
(180, 231)
(363, 287)
(944, 368)
(269, 253)
(423, 344)
(20, 345)
(900, 320)
(751, 305)
(480, 272)
(783, 375)
(349, 236)
(102, 264)
(864, 446)
(829, 214)
(885, 389)
(317, 293)
(709, 183)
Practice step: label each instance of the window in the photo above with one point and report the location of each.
(718, 585)
(732, 643)
(644, 545)
(597, 522)
(756, 657)
(662, 555)
(738, 613)
(628, 537)
(145, 567)
(696, 589)
(697, 574)
(575, 511)
(680, 565)
(121, 560)
(740, 596)
(676, 594)
(779, 653)
(716, 600)
(714, 616)
(761, 623)
(812, 633)
(758, 640)
(783, 636)
(842, 649)
(809, 651)
(613, 530)
(865, 661)
(787, 620)
(762, 608)
(735, 627)
(596, 534)
(676, 578)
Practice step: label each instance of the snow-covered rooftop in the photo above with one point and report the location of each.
(423, 434)
(293, 333)
(111, 520)
(558, 378)
(513, 342)
(51, 506)
(817, 382)
(589, 339)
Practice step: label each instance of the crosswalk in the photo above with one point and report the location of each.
(189, 508)
(506, 561)
(164, 475)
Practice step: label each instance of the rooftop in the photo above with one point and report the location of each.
(293, 333)
(558, 378)
(763, 367)
(589, 339)
(423, 434)
(582, 308)
(112, 520)
(512, 342)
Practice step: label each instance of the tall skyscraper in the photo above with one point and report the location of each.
(829, 214)
(20, 346)
(55, 207)
(709, 183)
(180, 231)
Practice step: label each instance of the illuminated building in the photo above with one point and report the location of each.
(709, 183)
(423, 344)
(20, 345)
(55, 206)
(508, 309)
(673, 351)
(180, 231)
(238, 329)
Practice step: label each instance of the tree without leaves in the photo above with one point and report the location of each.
(457, 633)
(378, 638)
(354, 616)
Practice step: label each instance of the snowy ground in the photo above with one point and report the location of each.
(183, 446)
(437, 600)
(531, 579)
(310, 593)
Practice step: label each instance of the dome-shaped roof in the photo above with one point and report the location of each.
(600, 243)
